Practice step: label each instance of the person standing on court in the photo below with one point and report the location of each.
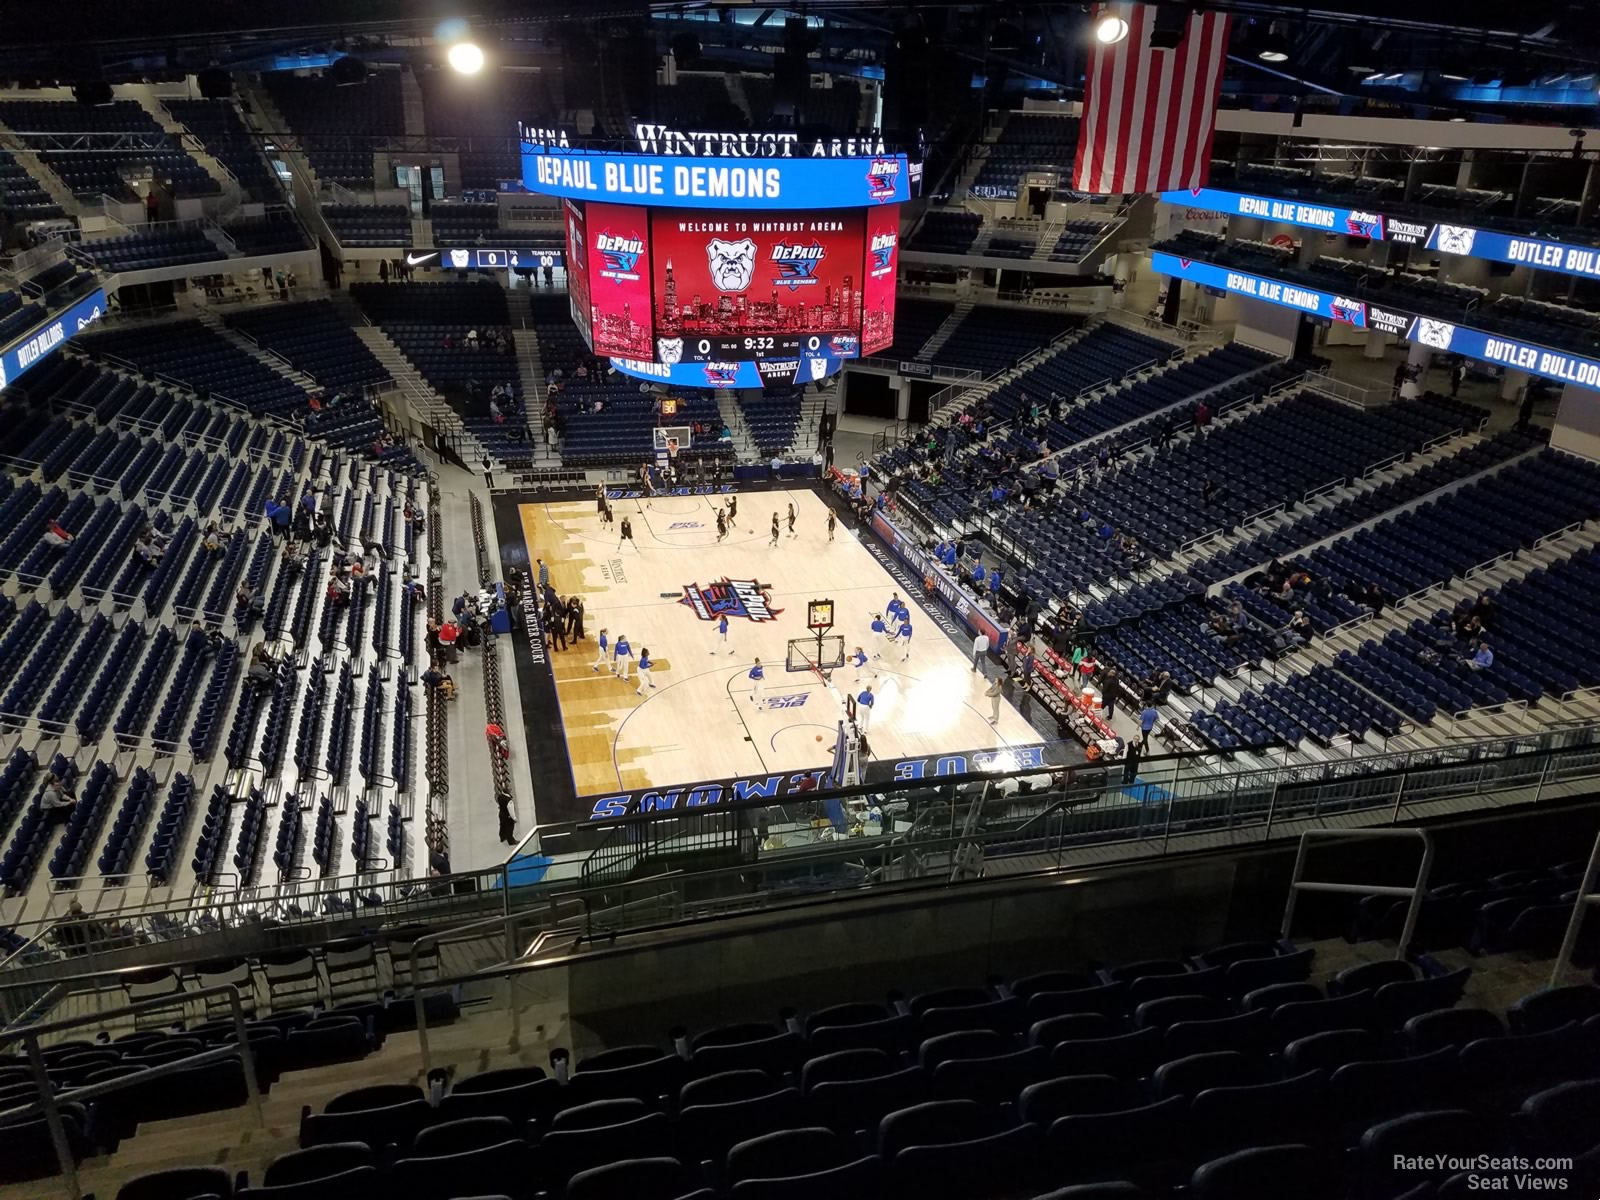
(722, 635)
(544, 575)
(864, 704)
(1147, 722)
(993, 693)
(722, 524)
(791, 519)
(757, 674)
(602, 655)
(858, 660)
(881, 632)
(627, 535)
(733, 510)
(622, 658)
(774, 540)
(904, 637)
(645, 664)
(980, 647)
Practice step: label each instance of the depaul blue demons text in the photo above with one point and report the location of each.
(751, 183)
(778, 787)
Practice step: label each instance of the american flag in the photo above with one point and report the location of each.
(1149, 115)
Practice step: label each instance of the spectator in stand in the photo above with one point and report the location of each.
(508, 822)
(55, 796)
(1202, 414)
(338, 590)
(1458, 376)
(279, 513)
(56, 536)
(1483, 659)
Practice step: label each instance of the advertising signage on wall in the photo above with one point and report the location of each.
(1466, 240)
(45, 339)
(748, 183)
(1318, 303)
(1445, 336)
(1327, 218)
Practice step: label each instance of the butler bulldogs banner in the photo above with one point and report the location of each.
(1439, 334)
(44, 340)
(721, 183)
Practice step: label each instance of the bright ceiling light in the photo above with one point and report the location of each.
(466, 57)
(1110, 29)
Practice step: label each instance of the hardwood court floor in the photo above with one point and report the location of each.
(700, 722)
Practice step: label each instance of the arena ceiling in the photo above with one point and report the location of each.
(1413, 51)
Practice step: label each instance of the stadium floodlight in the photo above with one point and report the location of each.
(1110, 29)
(466, 57)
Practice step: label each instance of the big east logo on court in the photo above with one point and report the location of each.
(729, 598)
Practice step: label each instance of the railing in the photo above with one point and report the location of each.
(50, 1101)
(1298, 882)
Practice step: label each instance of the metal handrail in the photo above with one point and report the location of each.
(1587, 895)
(50, 1102)
(1298, 884)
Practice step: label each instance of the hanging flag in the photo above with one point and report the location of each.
(1149, 115)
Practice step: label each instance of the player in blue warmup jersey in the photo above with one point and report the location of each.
(757, 674)
(645, 664)
(603, 654)
(858, 660)
(881, 632)
(722, 636)
(864, 708)
(905, 639)
(622, 658)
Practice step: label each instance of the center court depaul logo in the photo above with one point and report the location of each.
(730, 598)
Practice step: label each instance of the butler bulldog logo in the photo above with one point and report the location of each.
(1435, 334)
(1457, 239)
(730, 598)
(460, 258)
(818, 368)
(669, 350)
(733, 264)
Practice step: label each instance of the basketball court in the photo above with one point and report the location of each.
(667, 591)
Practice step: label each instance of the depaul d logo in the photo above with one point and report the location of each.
(619, 256)
(731, 598)
(797, 264)
(881, 176)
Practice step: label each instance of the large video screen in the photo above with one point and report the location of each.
(619, 279)
(877, 289)
(578, 269)
(740, 285)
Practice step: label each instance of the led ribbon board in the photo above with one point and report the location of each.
(740, 183)
(46, 338)
(1466, 240)
(1439, 334)
(734, 373)
(487, 258)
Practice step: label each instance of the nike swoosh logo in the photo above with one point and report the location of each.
(416, 260)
